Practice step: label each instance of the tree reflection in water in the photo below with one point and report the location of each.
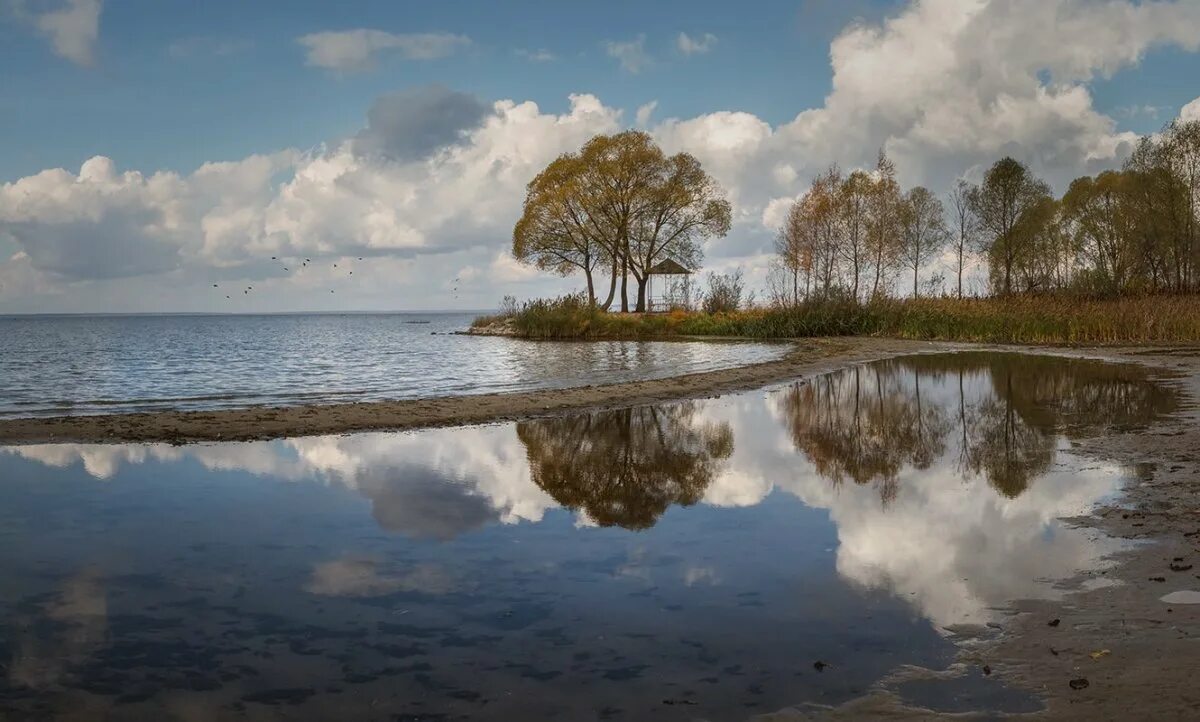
(1004, 413)
(626, 467)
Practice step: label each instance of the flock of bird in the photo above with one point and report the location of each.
(303, 264)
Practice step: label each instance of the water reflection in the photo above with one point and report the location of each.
(626, 467)
(450, 565)
(867, 423)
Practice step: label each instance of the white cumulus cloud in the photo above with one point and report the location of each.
(1191, 111)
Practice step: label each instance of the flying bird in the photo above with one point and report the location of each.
(214, 285)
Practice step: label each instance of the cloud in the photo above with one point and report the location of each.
(698, 45)
(207, 45)
(103, 224)
(434, 181)
(946, 87)
(644, 112)
(398, 188)
(945, 84)
(631, 54)
(536, 56)
(72, 29)
(352, 50)
(1136, 111)
(465, 195)
(411, 124)
(1191, 111)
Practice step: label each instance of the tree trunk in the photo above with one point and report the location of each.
(960, 266)
(590, 286)
(641, 297)
(624, 285)
(878, 273)
(612, 290)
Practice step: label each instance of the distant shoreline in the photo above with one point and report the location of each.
(809, 356)
(225, 314)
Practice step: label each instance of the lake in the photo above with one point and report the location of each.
(719, 559)
(71, 365)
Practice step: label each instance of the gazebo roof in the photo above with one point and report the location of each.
(668, 267)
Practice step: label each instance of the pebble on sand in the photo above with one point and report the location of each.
(1184, 596)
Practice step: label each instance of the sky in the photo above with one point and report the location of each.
(160, 155)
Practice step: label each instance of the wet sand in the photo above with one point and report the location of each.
(1140, 656)
(1147, 657)
(1152, 666)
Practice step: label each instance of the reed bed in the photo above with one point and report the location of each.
(1053, 319)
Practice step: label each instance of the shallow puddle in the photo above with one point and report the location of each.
(686, 560)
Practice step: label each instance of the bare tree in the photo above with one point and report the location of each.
(883, 236)
(923, 231)
(965, 230)
(854, 197)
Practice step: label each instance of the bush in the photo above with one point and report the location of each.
(724, 293)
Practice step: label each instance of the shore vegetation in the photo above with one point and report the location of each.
(1115, 259)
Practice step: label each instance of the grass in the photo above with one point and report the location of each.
(1022, 319)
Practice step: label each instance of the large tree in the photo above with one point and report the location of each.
(1101, 216)
(621, 204)
(560, 229)
(1009, 192)
(682, 207)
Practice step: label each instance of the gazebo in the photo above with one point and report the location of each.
(666, 267)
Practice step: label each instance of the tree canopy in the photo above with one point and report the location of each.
(620, 204)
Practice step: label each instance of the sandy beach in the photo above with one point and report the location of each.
(811, 356)
(1137, 653)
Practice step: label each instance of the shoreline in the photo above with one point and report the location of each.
(256, 423)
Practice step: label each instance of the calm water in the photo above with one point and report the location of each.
(691, 560)
(106, 364)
